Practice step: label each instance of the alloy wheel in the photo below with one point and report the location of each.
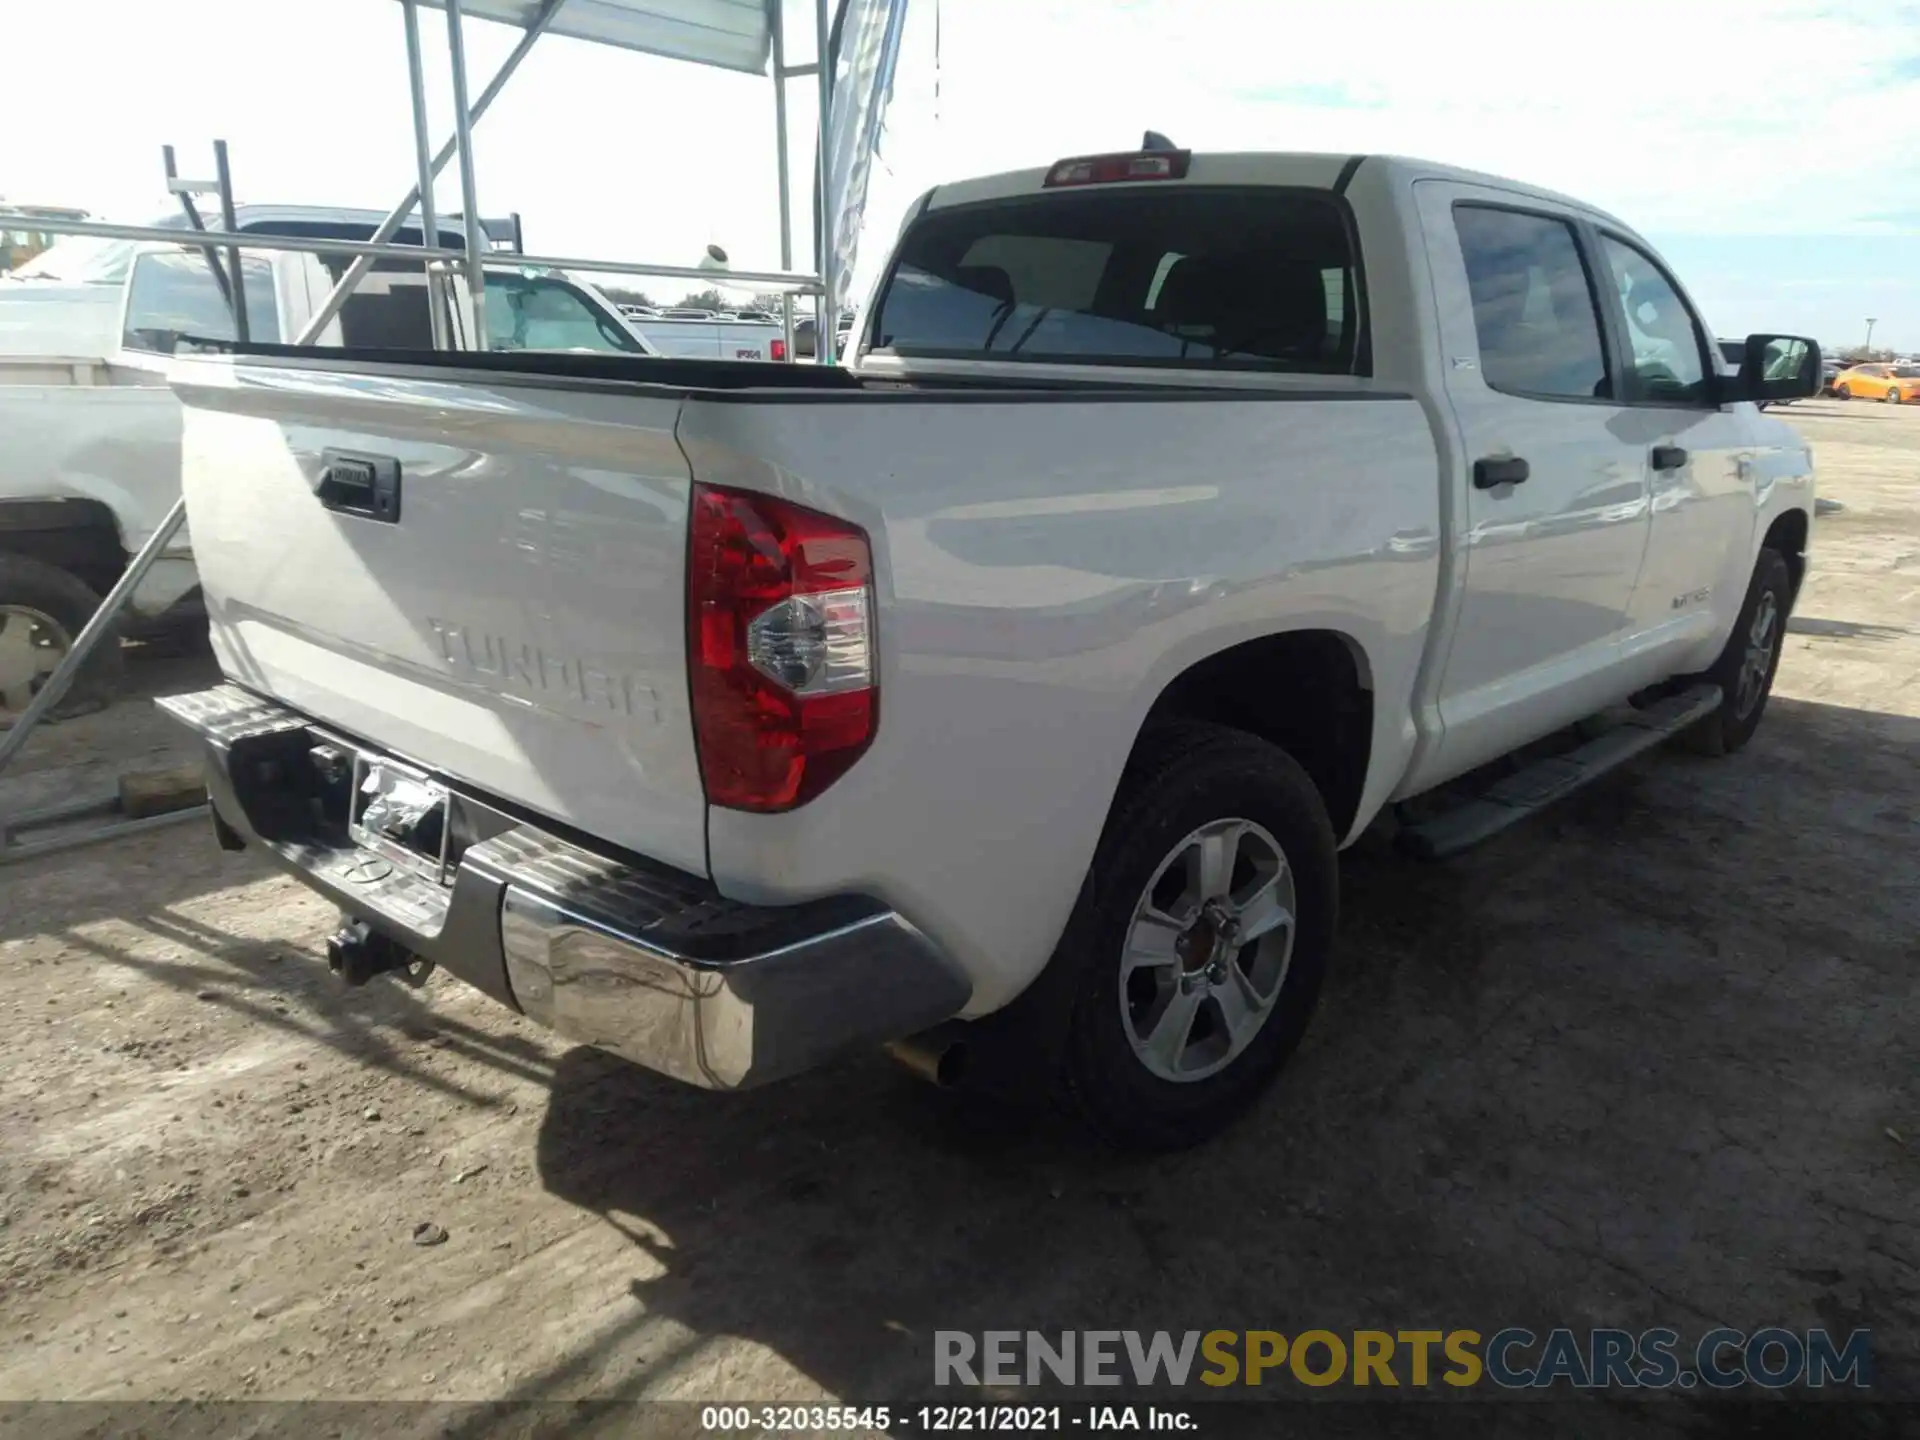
(1763, 635)
(1207, 950)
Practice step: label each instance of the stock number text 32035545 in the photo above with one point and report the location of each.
(867, 1419)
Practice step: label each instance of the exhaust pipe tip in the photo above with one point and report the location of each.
(940, 1060)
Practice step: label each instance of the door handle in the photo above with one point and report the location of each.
(1668, 457)
(363, 485)
(1491, 472)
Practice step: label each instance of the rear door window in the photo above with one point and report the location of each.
(1207, 278)
(1534, 309)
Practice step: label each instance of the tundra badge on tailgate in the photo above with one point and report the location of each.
(517, 667)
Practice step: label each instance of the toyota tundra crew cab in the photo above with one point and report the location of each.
(1009, 693)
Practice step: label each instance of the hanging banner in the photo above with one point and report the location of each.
(866, 58)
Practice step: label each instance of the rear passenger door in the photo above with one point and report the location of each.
(1550, 519)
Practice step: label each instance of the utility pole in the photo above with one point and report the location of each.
(1871, 322)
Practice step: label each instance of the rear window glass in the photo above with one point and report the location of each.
(389, 309)
(1261, 279)
(173, 295)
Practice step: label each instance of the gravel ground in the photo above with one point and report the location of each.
(1649, 1059)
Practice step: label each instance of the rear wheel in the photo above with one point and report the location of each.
(1745, 670)
(1892, 397)
(1841, 392)
(1194, 956)
(43, 609)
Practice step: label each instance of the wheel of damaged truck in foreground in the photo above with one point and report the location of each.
(1195, 953)
(1746, 667)
(42, 610)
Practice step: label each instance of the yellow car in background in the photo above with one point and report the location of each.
(1895, 384)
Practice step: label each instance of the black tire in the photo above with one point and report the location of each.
(69, 603)
(1731, 726)
(1841, 392)
(1184, 776)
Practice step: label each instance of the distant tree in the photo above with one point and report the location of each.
(768, 301)
(1861, 355)
(708, 299)
(622, 296)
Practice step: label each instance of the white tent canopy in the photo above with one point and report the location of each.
(728, 34)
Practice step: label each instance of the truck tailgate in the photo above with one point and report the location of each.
(512, 620)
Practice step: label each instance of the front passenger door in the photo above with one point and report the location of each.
(1700, 549)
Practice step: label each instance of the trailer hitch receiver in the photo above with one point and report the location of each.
(356, 952)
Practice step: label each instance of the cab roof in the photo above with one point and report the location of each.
(1306, 169)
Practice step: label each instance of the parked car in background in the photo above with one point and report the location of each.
(805, 330)
(1028, 671)
(703, 335)
(1895, 384)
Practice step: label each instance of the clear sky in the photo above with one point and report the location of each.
(1771, 149)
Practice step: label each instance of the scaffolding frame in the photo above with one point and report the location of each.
(437, 261)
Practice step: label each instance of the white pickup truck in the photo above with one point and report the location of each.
(1008, 693)
(90, 462)
(702, 335)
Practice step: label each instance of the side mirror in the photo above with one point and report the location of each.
(1778, 367)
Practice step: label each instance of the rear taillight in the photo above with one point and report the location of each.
(779, 350)
(1112, 169)
(780, 645)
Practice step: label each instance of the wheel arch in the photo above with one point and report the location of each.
(1789, 534)
(1308, 691)
(75, 534)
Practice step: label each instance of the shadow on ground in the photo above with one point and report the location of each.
(1843, 629)
(257, 979)
(1634, 1064)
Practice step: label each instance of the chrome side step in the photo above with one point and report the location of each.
(1533, 788)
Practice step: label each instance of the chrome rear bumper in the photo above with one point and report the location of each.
(648, 962)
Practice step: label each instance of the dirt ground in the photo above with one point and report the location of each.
(1651, 1059)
